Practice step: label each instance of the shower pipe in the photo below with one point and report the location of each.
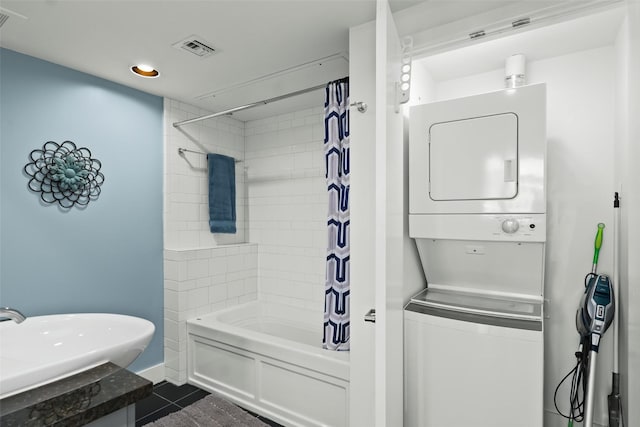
(362, 107)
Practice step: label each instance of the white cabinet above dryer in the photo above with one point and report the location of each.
(482, 154)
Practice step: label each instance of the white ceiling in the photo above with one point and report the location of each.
(264, 48)
(561, 38)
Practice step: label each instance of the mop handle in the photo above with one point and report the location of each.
(597, 245)
(616, 278)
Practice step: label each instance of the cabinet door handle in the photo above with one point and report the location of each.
(370, 316)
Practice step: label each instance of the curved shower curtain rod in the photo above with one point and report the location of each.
(255, 104)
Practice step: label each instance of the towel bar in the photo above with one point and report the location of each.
(181, 152)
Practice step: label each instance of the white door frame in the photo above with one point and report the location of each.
(377, 224)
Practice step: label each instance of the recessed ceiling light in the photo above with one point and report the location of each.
(145, 71)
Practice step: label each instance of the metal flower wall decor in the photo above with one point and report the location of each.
(64, 174)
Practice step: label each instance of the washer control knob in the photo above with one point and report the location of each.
(510, 225)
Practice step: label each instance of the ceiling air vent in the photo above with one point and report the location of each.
(3, 19)
(196, 46)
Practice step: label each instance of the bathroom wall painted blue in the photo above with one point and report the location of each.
(106, 257)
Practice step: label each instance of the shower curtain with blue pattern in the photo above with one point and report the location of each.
(336, 150)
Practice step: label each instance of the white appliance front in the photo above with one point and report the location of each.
(469, 374)
(482, 154)
(512, 269)
(477, 211)
(480, 167)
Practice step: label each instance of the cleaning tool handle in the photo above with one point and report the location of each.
(598, 244)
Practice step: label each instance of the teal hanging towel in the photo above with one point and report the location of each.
(222, 193)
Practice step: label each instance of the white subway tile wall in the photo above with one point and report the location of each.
(287, 206)
(186, 206)
(200, 281)
(281, 210)
(203, 271)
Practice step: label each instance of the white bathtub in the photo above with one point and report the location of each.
(43, 349)
(269, 358)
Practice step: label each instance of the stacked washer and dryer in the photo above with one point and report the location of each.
(474, 343)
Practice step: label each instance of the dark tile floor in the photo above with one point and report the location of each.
(168, 398)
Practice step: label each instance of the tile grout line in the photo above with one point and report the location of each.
(160, 408)
(184, 397)
(157, 410)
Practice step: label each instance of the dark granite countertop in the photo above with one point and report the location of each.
(76, 400)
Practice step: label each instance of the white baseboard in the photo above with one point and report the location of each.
(155, 374)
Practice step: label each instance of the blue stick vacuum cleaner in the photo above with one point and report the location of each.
(595, 314)
(593, 318)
